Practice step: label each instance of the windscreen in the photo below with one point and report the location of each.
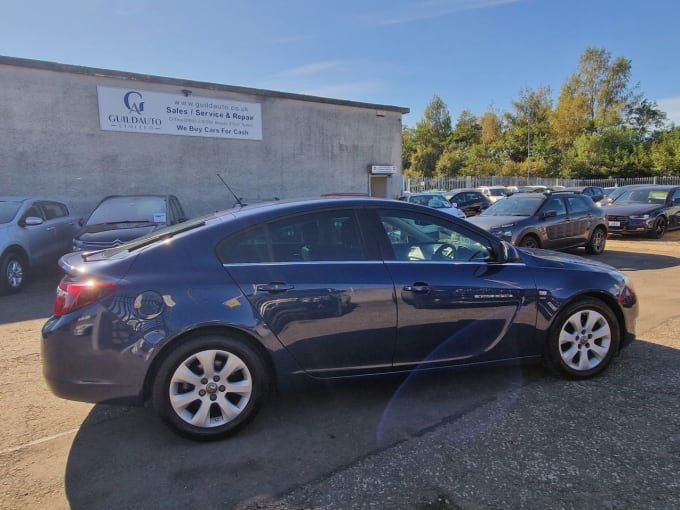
(8, 210)
(515, 206)
(643, 196)
(129, 210)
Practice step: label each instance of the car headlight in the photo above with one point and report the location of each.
(502, 231)
(640, 217)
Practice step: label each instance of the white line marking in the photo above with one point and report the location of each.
(38, 441)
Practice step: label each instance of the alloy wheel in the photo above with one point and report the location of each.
(210, 388)
(585, 340)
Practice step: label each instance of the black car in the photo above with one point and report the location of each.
(204, 317)
(471, 201)
(118, 219)
(596, 193)
(645, 210)
(553, 220)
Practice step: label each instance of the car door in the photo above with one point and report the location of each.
(455, 305)
(40, 238)
(321, 288)
(674, 208)
(554, 220)
(65, 227)
(581, 219)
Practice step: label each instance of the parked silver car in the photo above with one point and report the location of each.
(34, 232)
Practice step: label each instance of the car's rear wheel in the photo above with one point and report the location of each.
(12, 267)
(659, 228)
(597, 241)
(583, 339)
(210, 386)
(530, 241)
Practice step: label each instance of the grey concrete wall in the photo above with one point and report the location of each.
(51, 143)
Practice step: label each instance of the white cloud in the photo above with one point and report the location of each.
(308, 70)
(417, 11)
(349, 90)
(670, 105)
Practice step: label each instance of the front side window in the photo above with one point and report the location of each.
(418, 237)
(555, 204)
(577, 205)
(54, 210)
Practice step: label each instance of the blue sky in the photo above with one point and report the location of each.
(474, 54)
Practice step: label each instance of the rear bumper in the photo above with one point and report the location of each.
(76, 367)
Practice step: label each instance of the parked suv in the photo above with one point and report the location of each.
(121, 218)
(470, 201)
(555, 220)
(34, 232)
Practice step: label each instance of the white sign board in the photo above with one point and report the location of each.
(383, 169)
(141, 111)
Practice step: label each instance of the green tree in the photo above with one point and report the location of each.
(466, 132)
(600, 88)
(529, 123)
(665, 153)
(429, 138)
(645, 117)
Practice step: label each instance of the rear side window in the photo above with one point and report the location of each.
(314, 237)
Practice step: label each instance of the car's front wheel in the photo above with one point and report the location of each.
(597, 241)
(659, 228)
(12, 267)
(583, 339)
(210, 386)
(530, 241)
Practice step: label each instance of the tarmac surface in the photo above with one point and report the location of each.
(509, 438)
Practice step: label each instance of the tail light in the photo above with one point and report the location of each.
(72, 295)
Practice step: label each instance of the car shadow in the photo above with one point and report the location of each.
(126, 458)
(34, 301)
(630, 260)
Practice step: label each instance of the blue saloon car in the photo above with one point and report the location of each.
(204, 317)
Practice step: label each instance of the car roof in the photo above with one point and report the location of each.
(24, 198)
(663, 187)
(461, 189)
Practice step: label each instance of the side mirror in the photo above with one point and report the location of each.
(506, 253)
(31, 221)
(549, 214)
(454, 204)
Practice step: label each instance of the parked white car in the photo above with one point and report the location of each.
(495, 193)
(34, 232)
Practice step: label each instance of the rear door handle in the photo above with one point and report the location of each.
(275, 287)
(418, 288)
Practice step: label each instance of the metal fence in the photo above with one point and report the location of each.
(415, 185)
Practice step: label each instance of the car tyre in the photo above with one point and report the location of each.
(530, 241)
(210, 386)
(12, 273)
(597, 241)
(659, 228)
(583, 339)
